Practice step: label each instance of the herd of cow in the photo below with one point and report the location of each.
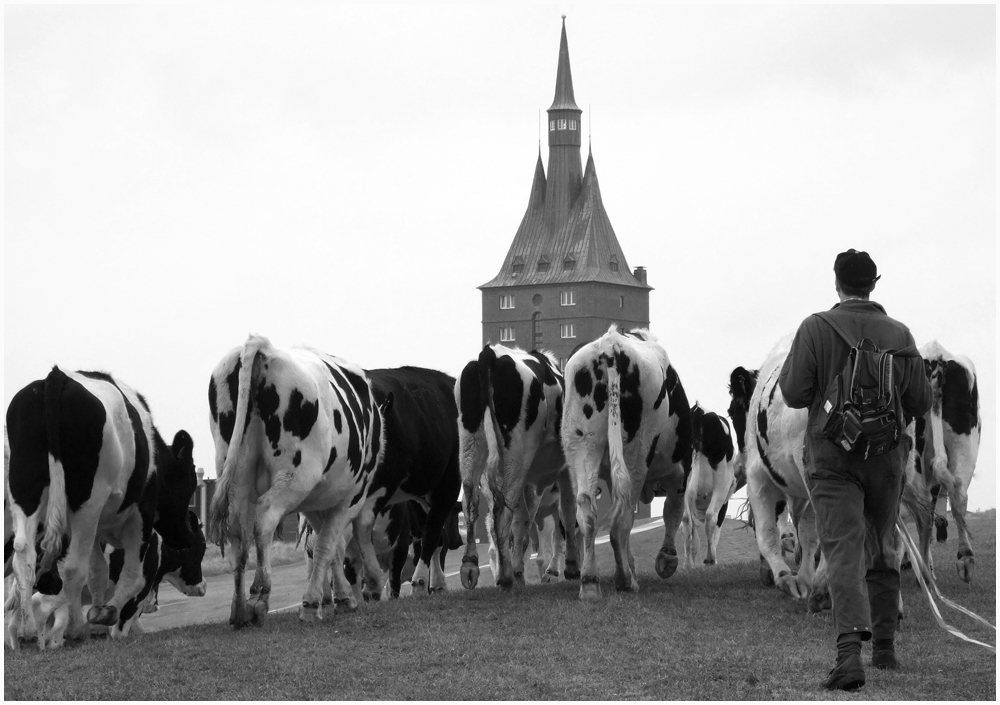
(371, 459)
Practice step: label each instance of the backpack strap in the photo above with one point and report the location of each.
(908, 351)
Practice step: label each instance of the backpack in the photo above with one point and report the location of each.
(862, 412)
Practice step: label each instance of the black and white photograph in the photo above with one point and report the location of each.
(468, 351)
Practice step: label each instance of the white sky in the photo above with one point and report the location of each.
(343, 176)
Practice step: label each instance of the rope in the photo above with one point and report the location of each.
(920, 571)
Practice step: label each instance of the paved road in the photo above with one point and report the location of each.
(287, 584)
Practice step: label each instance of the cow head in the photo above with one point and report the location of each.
(741, 386)
(176, 481)
(182, 569)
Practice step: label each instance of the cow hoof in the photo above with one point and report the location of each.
(550, 576)
(792, 586)
(469, 573)
(104, 615)
(819, 600)
(590, 589)
(258, 613)
(309, 612)
(966, 567)
(666, 563)
(344, 605)
(709, 561)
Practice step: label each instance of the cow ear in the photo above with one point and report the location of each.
(183, 446)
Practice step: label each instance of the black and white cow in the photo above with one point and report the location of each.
(775, 466)
(87, 462)
(295, 430)
(624, 401)
(420, 463)
(509, 403)
(711, 484)
(946, 449)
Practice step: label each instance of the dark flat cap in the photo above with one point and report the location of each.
(855, 269)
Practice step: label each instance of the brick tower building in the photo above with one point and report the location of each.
(565, 278)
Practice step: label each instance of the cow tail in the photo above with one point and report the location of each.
(225, 499)
(494, 439)
(621, 482)
(55, 514)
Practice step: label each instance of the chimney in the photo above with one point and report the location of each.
(640, 274)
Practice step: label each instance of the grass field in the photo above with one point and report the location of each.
(708, 633)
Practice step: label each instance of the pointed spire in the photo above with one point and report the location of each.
(537, 198)
(590, 189)
(564, 79)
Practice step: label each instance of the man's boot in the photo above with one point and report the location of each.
(849, 673)
(884, 654)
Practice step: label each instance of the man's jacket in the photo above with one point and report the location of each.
(819, 353)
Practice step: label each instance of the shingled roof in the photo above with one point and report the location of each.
(584, 237)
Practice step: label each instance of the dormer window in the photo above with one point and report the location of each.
(517, 265)
(543, 263)
(613, 263)
(569, 263)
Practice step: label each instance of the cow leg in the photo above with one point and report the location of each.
(962, 464)
(524, 516)
(130, 582)
(567, 512)
(132, 609)
(288, 489)
(688, 534)
(24, 562)
(715, 515)
(764, 499)
(715, 531)
(238, 558)
(330, 549)
(400, 552)
(471, 459)
(584, 464)
(97, 576)
(673, 509)
(371, 587)
(438, 579)
(442, 501)
(552, 547)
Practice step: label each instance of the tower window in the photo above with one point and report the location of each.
(621, 302)
(507, 335)
(572, 124)
(536, 330)
(552, 125)
(567, 298)
(562, 124)
(507, 301)
(567, 330)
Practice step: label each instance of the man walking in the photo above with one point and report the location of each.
(856, 498)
